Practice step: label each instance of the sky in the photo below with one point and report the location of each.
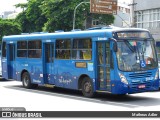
(8, 5)
(127, 1)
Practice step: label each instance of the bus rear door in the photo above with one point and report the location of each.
(11, 61)
(103, 66)
(49, 63)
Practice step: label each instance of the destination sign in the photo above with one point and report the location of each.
(103, 6)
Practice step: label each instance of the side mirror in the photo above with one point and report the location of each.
(115, 46)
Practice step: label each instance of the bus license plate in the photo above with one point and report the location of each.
(141, 86)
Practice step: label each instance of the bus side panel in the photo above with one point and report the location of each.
(63, 74)
(21, 64)
(68, 74)
(35, 69)
(4, 69)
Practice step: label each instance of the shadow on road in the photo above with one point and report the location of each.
(4, 80)
(107, 99)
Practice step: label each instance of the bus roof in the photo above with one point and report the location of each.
(74, 34)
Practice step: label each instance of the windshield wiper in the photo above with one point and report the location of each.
(129, 45)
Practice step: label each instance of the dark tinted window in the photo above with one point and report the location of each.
(63, 49)
(34, 49)
(22, 49)
(4, 49)
(82, 49)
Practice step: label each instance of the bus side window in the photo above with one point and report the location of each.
(82, 49)
(63, 49)
(22, 49)
(35, 49)
(4, 49)
(87, 54)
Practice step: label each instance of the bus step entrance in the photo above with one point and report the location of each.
(49, 85)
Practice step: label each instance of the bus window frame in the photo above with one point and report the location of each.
(63, 49)
(72, 48)
(22, 49)
(83, 49)
(4, 49)
(29, 49)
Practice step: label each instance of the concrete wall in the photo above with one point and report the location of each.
(120, 17)
(146, 4)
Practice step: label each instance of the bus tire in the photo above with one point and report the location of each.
(87, 87)
(26, 80)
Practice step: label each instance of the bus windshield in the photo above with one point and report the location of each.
(136, 55)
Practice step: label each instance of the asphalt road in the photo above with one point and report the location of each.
(12, 94)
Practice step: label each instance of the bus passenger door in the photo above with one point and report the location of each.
(11, 62)
(49, 63)
(103, 66)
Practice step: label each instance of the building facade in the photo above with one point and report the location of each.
(122, 19)
(147, 16)
(5, 14)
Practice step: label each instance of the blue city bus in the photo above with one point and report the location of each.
(116, 61)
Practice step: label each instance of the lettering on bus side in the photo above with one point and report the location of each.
(62, 80)
(65, 78)
(48, 40)
(102, 38)
(36, 81)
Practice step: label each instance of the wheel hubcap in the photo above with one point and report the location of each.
(87, 87)
(26, 81)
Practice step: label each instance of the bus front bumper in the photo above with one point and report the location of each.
(121, 88)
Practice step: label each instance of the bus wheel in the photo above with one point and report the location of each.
(87, 87)
(27, 81)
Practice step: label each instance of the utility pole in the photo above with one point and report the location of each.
(132, 20)
(74, 16)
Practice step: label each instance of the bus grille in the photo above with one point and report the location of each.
(140, 75)
(135, 85)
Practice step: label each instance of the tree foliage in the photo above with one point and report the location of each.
(31, 19)
(60, 14)
(51, 15)
(9, 27)
(24, 21)
(21, 5)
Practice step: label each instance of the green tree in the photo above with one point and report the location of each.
(21, 5)
(24, 22)
(60, 14)
(9, 27)
(34, 15)
(51, 15)
(31, 18)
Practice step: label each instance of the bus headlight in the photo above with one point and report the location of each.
(123, 79)
(157, 75)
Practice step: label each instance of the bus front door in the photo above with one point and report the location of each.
(49, 63)
(103, 66)
(11, 62)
